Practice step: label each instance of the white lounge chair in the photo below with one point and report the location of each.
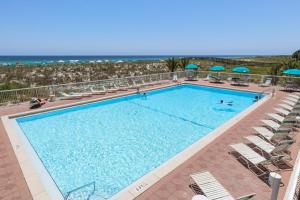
(98, 92)
(290, 103)
(275, 126)
(112, 89)
(294, 96)
(267, 83)
(212, 188)
(65, 96)
(123, 86)
(288, 107)
(292, 99)
(276, 117)
(251, 158)
(268, 148)
(83, 94)
(269, 135)
(207, 77)
(282, 111)
(291, 120)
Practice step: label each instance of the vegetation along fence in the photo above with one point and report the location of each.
(21, 95)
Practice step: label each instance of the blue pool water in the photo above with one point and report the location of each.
(115, 142)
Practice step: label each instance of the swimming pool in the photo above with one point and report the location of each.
(112, 143)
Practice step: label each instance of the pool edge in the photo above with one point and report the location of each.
(146, 181)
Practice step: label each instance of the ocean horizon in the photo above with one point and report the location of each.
(69, 59)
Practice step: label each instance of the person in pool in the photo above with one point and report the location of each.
(230, 103)
(256, 99)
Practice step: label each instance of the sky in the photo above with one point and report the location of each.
(149, 27)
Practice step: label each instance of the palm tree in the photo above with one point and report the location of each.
(172, 64)
(183, 62)
(296, 55)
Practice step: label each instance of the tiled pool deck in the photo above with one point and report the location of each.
(214, 158)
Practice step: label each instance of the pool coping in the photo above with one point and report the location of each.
(40, 182)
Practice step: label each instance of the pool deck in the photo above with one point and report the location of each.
(237, 179)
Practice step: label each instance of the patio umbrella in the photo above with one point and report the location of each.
(294, 72)
(217, 68)
(241, 69)
(191, 66)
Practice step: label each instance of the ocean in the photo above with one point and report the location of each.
(43, 60)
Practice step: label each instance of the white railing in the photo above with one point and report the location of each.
(293, 188)
(24, 94)
(21, 95)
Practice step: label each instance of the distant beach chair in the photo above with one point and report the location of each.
(245, 80)
(98, 92)
(207, 77)
(212, 188)
(267, 83)
(112, 89)
(84, 94)
(215, 79)
(66, 96)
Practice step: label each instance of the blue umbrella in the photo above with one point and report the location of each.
(241, 69)
(191, 66)
(217, 68)
(295, 72)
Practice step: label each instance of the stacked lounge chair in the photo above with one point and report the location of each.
(212, 188)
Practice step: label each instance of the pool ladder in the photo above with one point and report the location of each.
(84, 192)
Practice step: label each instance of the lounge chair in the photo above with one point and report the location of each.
(283, 120)
(267, 83)
(276, 127)
(244, 80)
(294, 96)
(269, 135)
(215, 79)
(269, 150)
(112, 89)
(84, 94)
(65, 96)
(290, 103)
(208, 77)
(288, 107)
(123, 86)
(212, 188)
(98, 92)
(253, 160)
(292, 99)
(143, 83)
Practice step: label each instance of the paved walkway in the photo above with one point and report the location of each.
(215, 158)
